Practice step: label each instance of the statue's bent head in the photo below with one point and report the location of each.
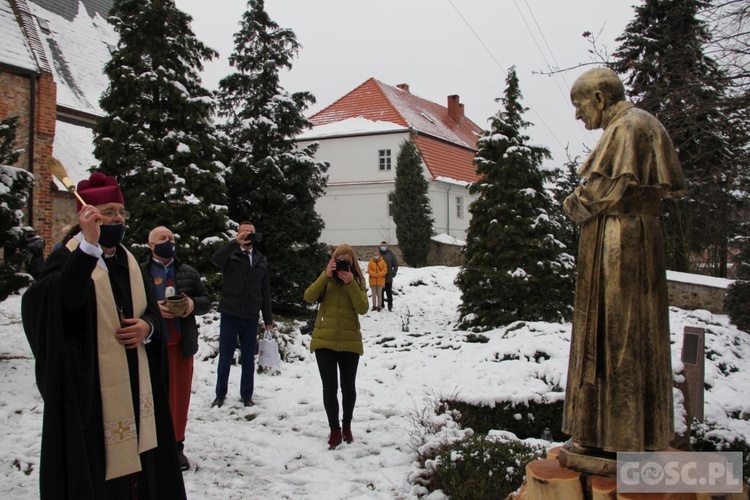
(593, 92)
(602, 80)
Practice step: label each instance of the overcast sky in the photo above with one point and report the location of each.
(438, 47)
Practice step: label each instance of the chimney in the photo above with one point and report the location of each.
(455, 108)
(404, 87)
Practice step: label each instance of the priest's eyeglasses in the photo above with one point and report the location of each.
(112, 213)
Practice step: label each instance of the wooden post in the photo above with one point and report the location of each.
(693, 357)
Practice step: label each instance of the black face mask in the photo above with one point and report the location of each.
(165, 250)
(111, 236)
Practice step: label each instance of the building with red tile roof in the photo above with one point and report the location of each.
(360, 135)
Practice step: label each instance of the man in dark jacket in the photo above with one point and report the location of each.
(391, 263)
(246, 291)
(169, 278)
(95, 331)
(34, 245)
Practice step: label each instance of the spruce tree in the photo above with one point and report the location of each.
(729, 22)
(412, 213)
(662, 55)
(15, 185)
(515, 266)
(157, 137)
(271, 182)
(564, 182)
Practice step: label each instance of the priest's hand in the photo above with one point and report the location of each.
(132, 332)
(89, 220)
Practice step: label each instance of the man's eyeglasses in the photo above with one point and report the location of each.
(111, 214)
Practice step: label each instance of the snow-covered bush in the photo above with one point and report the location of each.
(525, 420)
(462, 463)
(480, 467)
(737, 304)
(711, 436)
(15, 184)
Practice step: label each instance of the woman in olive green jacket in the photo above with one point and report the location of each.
(336, 338)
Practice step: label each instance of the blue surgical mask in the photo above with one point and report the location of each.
(166, 249)
(111, 236)
(383, 249)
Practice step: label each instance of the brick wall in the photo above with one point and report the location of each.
(45, 119)
(14, 101)
(15, 98)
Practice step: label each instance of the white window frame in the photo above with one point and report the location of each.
(459, 207)
(390, 205)
(384, 159)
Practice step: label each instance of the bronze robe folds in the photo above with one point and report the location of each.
(619, 389)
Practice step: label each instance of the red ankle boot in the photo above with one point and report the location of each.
(348, 434)
(334, 439)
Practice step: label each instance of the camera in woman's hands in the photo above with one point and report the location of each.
(343, 264)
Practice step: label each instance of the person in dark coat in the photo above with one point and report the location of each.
(34, 248)
(168, 277)
(391, 264)
(245, 293)
(95, 331)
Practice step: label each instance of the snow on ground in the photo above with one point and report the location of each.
(277, 449)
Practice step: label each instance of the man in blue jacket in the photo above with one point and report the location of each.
(245, 293)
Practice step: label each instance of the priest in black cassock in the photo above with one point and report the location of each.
(95, 331)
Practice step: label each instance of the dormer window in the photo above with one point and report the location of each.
(384, 159)
(43, 25)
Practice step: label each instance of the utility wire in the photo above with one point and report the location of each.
(477, 36)
(549, 129)
(585, 133)
(546, 44)
(538, 47)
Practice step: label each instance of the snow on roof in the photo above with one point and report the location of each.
(14, 49)
(448, 240)
(447, 145)
(455, 182)
(698, 279)
(376, 100)
(73, 148)
(431, 118)
(351, 126)
(79, 49)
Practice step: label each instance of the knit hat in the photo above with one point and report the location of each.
(99, 189)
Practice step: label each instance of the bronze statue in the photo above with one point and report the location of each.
(619, 390)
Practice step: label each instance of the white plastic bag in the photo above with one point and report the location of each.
(268, 353)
